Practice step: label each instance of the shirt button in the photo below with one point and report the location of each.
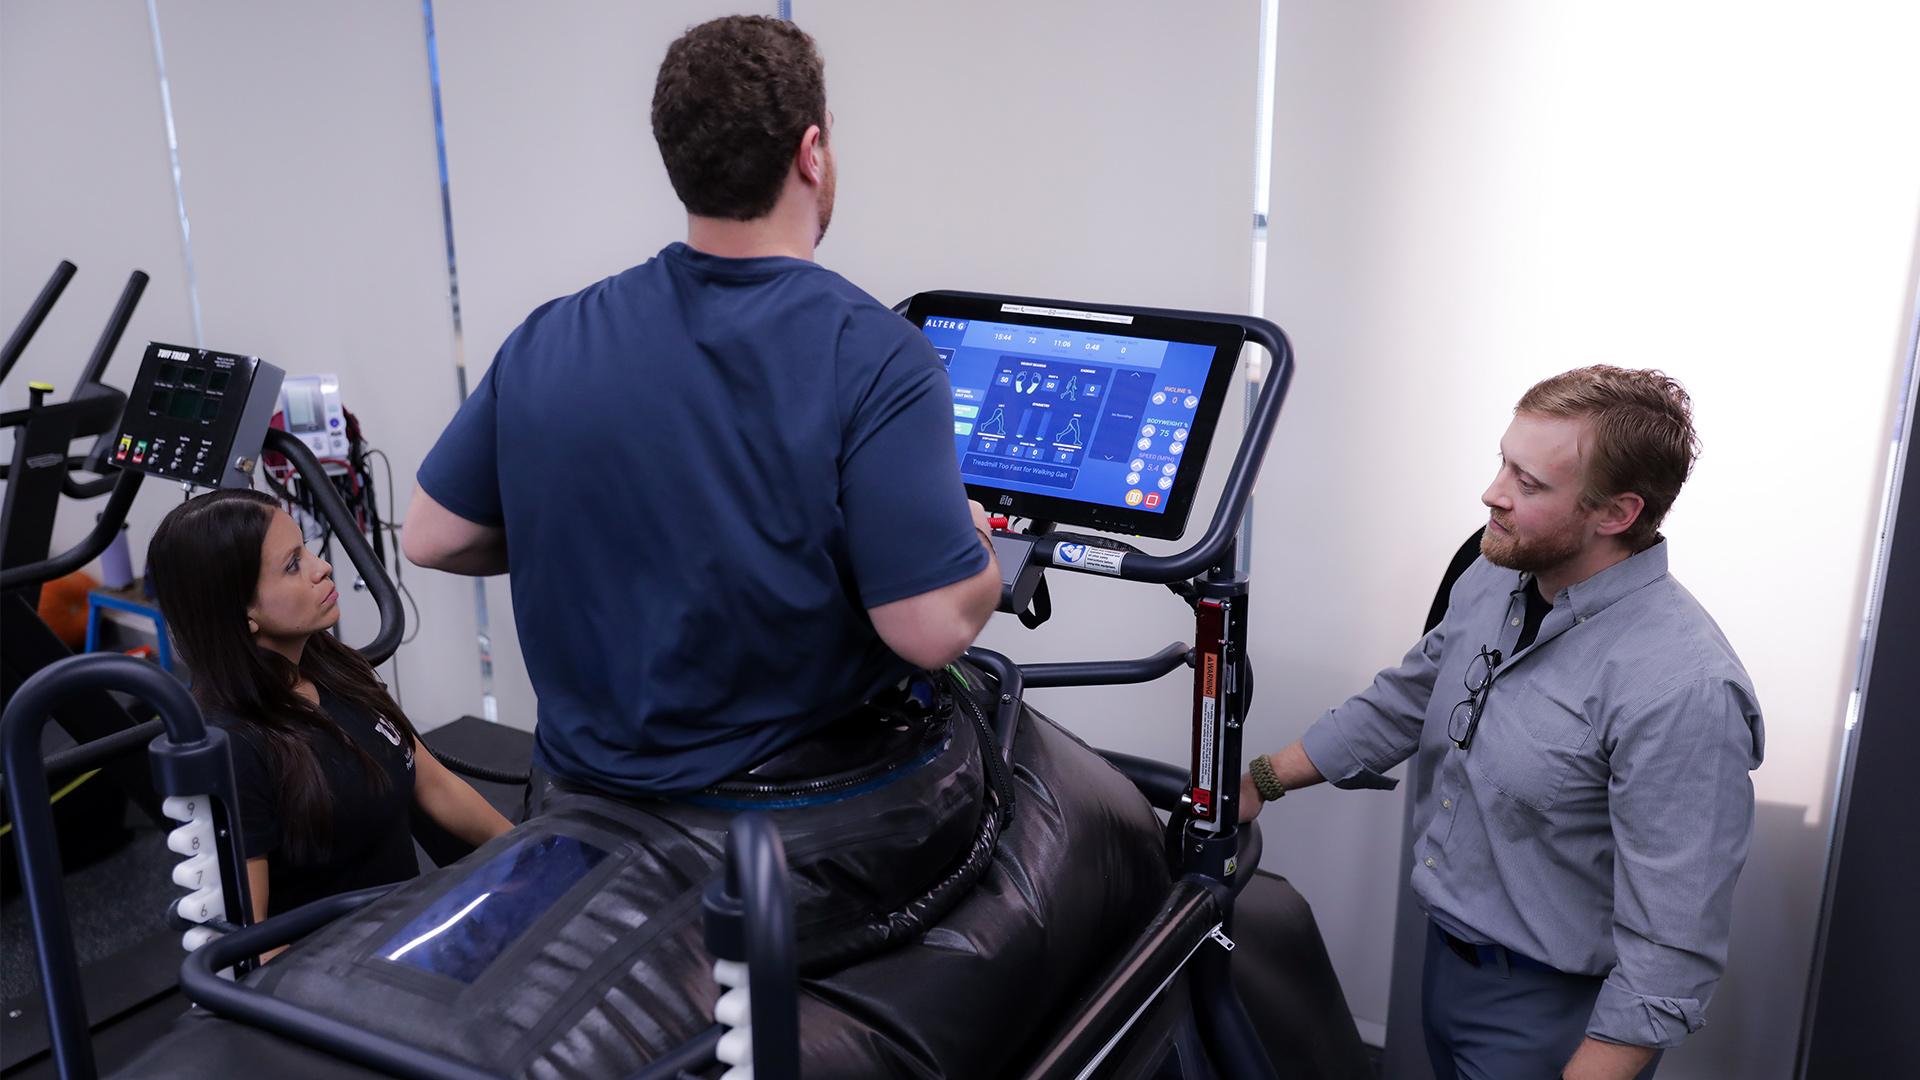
(1582, 618)
(1446, 804)
(1516, 622)
(1429, 862)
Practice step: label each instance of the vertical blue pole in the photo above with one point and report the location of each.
(489, 706)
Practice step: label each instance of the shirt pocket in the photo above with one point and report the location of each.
(1527, 743)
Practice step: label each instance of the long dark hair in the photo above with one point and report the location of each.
(205, 566)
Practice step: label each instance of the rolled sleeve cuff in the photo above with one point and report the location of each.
(1333, 756)
(1622, 1016)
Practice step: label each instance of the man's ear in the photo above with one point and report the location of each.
(811, 159)
(1619, 513)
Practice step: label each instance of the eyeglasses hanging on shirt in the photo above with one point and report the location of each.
(1465, 718)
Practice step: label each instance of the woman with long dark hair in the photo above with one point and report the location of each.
(326, 763)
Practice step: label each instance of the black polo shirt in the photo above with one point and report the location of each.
(372, 841)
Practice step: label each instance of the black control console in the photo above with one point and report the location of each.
(198, 415)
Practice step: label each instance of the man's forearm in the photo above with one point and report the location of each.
(438, 539)
(1293, 768)
(1597, 1060)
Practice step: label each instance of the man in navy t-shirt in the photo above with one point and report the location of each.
(726, 476)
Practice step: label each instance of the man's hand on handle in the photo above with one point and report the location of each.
(980, 523)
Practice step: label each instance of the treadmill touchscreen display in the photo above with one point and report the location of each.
(1089, 415)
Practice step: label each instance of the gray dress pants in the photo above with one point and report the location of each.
(1486, 1023)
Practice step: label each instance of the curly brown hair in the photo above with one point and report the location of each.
(734, 98)
(1643, 437)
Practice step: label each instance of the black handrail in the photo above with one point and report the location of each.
(112, 516)
(1110, 672)
(116, 326)
(1228, 1032)
(102, 750)
(90, 384)
(36, 314)
(190, 758)
(1130, 984)
(393, 622)
(750, 917)
(1012, 686)
(86, 489)
(757, 869)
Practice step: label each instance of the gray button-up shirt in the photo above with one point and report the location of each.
(1601, 814)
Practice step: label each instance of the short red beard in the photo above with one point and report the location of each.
(1533, 553)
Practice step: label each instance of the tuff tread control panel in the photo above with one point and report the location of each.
(198, 415)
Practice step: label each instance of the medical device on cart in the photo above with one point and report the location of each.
(768, 921)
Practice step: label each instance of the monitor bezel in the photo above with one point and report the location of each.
(1226, 339)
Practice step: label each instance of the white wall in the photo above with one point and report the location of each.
(306, 152)
(1473, 197)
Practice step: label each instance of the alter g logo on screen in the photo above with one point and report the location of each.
(1069, 554)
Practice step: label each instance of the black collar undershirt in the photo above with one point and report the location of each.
(1537, 608)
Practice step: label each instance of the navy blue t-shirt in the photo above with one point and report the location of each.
(708, 469)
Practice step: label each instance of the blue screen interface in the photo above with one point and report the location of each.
(1090, 415)
(464, 931)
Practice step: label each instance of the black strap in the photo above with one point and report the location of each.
(1039, 609)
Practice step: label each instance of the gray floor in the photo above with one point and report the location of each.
(113, 904)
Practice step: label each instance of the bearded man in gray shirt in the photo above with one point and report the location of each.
(1582, 735)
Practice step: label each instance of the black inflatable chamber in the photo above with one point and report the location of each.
(612, 972)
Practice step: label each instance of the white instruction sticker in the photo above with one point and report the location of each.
(1087, 557)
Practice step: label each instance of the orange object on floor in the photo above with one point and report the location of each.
(63, 607)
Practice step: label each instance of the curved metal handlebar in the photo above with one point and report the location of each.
(393, 621)
(112, 516)
(189, 758)
(36, 314)
(1013, 688)
(1110, 672)
(749, 917)
(116, 326)
(757, 873)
